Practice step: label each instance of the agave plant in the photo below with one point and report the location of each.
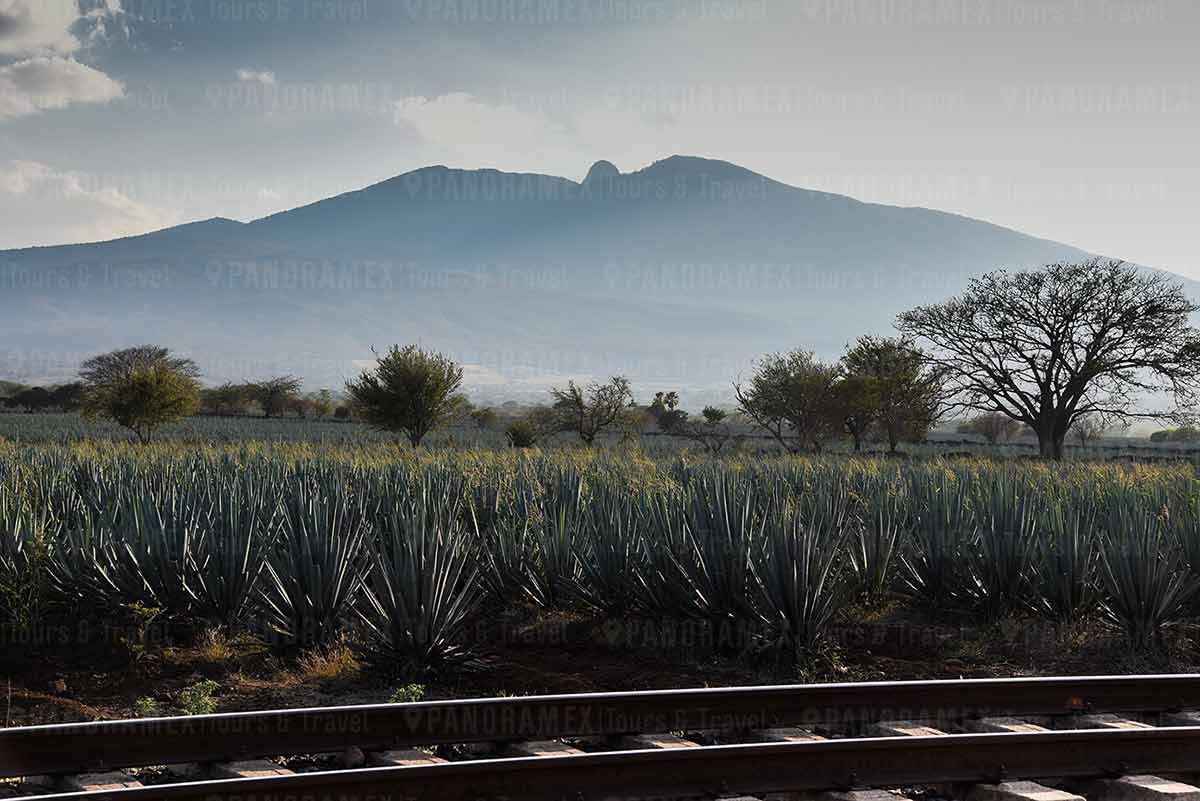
(1000, 561)
(315, 571)
(153, 531)
(611, 553)
(874, 546)
(724, 524)
(1147, 588)
(233, 541)
(801, 586)
(422, 583)
(933, 561)
(1063, 572)
(553, 581)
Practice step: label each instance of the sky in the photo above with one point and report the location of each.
(1075, 120)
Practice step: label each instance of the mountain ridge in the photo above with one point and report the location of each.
(677, 274)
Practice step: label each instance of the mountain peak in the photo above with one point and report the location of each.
(601, 171)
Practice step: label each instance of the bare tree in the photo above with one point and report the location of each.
(588, 411)
(793, 394)
(1046, 347)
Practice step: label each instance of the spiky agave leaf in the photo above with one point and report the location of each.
(999, 564)
(723, 524)
(801, 585)
(1063, 574)
(422, 585)
(315, 571)
(933, 560)
(612, 552)
(232, 545)
(1147, 588)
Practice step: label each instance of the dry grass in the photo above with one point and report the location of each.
(335, 661)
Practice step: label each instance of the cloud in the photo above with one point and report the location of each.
(265, 77)
(43, 206)
(38, 26)
(52, 82)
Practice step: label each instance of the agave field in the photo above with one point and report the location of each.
(400, 552)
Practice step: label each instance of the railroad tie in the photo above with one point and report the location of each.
(1188, 717)
(1138, 788)
(539, 748)
(1129, 788)
(1106, 722)
(402, 758)
(94, 782)
(1000, 791)
(782, 735)
(248, 769)
(1002, 726)
(647, 741)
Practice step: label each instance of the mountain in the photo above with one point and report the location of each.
(677, 275)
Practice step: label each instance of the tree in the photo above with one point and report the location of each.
(588, 411)
(793, 394)
(906, 388)
(31, 400)
(140, 388)
(993, 427)
(110, 369)
(411, 390)
(227, 399)
(484, 417)
(276, 395)
(856, 399)
(528, 429)
(67, 397)
(321, 403)
(1046, 347)
(712, 430)
(1181, 434)
(1088, 428)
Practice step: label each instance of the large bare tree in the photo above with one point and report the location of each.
(1049, 346)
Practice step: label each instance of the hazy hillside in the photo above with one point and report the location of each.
(678, 274)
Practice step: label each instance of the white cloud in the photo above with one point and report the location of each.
(38, 26)
(265, 77)
(41, 36)
(52, 82)
(44, 206)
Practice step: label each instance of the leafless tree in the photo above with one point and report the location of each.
(589, 410)
(1046, 347)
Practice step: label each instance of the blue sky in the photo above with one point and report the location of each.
(1070, 119)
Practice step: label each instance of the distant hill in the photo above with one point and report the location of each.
(677, 275)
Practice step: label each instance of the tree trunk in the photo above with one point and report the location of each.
(1050, 445)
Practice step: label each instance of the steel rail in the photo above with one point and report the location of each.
(722, 771)
(85, 747)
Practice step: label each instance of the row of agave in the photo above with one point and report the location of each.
(405, 555)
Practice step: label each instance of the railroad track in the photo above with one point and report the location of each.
(1059, 739)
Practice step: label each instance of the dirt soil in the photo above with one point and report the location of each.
(535, 653)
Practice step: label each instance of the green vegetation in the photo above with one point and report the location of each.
(197, 699)
(401, 554)
(411, 391)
